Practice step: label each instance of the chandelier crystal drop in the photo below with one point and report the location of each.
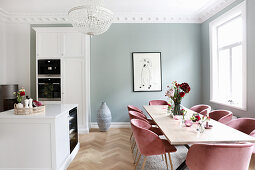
(91, 18)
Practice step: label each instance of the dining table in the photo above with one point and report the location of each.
(177, 133)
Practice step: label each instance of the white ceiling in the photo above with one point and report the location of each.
(121, 8)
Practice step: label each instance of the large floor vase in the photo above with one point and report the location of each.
(104, 117)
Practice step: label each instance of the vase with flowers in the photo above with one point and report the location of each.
(200, 121)
(176, 93)
(20, 94)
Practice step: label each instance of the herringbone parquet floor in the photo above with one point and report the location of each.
(104, 151)
(108, 151)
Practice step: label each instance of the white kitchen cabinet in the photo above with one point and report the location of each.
(48, 44)
(39, 141)
(73, 49)
(73, 85)
(73, 44)
(59, 42)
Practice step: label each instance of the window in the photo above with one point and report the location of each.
(228, 58)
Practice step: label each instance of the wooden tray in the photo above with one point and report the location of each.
(28, 111)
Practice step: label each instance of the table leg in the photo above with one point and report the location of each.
(182, 166)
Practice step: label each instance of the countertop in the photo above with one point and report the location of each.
(51, 111)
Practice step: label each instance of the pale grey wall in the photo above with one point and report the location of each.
(111, 64)
(205, 54)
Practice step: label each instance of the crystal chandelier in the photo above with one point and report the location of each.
(91, 18)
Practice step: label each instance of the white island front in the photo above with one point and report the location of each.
(44, 141)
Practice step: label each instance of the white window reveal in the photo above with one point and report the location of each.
(228, 58)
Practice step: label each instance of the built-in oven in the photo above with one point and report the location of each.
(49, 68)
(49, 89)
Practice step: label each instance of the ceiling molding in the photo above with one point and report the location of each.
(53, 18)
(208, 12)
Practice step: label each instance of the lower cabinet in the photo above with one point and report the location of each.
(39, 143)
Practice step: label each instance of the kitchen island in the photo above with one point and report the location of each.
(43, 141)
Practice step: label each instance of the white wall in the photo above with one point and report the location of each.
(16, 46)
(2, 54)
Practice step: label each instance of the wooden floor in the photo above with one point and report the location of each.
(104, 151)
(108, 151)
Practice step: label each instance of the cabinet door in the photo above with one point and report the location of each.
(48, 44)
(73, 85)
(73, 44)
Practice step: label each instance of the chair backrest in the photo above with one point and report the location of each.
(219, 156)
(158, 102)
(137, 115)
(222, 116)
(245, 125)
(134, 108)
(202, 109)
(147, 141)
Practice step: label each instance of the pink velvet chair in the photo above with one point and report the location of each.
(219, 156)
(137, 115)
(201, 109)
(149, 143)
(134, 108)
(158, 102)
(245, 125)
(222, 116)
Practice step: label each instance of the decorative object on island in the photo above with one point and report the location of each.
(176, 93)
(147, 71)
(20, 94)
(104, 117)
(7, 99)
(28, 111)
(91, 18)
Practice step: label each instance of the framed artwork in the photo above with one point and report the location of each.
(147, 71)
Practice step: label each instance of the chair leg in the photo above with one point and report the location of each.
(137, 160)
(162, 157)
(144, 161)
(136, 155)
(171, 163)
(131, 136)
(166, 162)
(134, 147)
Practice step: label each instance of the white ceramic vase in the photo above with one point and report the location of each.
(19, 106)
(104, 117)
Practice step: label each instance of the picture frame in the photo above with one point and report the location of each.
(147, 71)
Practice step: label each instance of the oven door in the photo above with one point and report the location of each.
(49, 67)
(49, 89)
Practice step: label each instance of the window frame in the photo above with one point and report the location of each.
(213, 27)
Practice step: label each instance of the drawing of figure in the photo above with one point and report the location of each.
(146, 73)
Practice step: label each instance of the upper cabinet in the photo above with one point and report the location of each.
(48, 44)
(73, 44)
(59, 42)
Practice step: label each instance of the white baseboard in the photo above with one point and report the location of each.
(113, 125)
(83, 130)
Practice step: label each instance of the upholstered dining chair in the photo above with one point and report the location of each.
(202, 109)
(134, 108)
(222, 116)
(149, 142)
(245, 125)
(219, 156)
(136, 115)
(158, 102)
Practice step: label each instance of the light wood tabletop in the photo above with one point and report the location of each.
(179, 134)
